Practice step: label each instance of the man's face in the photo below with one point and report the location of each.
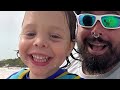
(100, 54)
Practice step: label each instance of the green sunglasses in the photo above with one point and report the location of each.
(108, 21)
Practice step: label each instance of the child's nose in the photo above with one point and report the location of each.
(40, 42)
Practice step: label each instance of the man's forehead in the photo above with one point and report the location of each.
(101, 12)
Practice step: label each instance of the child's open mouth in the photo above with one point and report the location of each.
(40, 59)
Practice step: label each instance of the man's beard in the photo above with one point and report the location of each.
(98, 64)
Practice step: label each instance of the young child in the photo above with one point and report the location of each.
(47, 38)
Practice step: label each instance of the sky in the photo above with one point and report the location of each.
(10, 27)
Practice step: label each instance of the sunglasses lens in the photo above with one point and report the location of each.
(86, 20)
(111, 21)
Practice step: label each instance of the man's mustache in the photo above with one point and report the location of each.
(99, 39)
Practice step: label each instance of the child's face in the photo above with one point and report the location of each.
(44, 41)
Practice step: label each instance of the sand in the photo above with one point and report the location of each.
(7, 71)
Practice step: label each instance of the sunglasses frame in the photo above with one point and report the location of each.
(97, 18)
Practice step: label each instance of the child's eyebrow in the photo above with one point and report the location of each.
(27, 26)
(56, 28)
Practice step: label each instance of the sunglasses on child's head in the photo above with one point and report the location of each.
(108, 21)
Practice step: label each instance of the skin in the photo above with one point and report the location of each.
(44, 42)
(104, 54)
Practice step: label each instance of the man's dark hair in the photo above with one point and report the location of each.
(77, 12)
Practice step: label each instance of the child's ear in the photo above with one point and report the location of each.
(71, 48)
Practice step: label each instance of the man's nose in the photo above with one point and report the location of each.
(98, 29)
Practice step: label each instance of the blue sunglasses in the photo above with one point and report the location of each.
(108, 21)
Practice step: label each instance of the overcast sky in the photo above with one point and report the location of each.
(10, 26)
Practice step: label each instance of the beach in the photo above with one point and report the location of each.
(6, 71)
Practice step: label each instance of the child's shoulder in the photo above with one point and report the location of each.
(67, 75)
(73, 76)
(70, 76)
(20, 74)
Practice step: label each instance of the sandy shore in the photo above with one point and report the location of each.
(5, 71)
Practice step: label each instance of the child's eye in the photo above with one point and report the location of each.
(55, 36)
(29, 35)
